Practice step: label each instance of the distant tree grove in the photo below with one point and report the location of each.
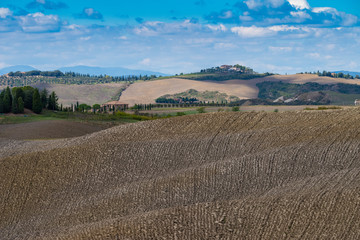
(19, 79)
(15, 100)
(333, 75)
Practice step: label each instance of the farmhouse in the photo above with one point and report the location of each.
(114, 105)
(226, 67)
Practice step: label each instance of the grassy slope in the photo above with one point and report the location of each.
(117, 118)
(89, 94)
(147, 92)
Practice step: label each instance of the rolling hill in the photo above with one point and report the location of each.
(89, 94)
(292, 175)
(110, 71)
(21, 68)
(148, 92)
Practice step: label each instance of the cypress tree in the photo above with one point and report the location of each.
(1, 105)
(7, 100)
(20, 105)
(52, 104)
(43, 98)
(2, 94)
(37, 104)
(28, 96)
(14, 107)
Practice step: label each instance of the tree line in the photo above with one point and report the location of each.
(333, 75)
(19, 79)
(15, 100)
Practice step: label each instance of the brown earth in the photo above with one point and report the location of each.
(290, 175)
(49, 129)
(148, 92)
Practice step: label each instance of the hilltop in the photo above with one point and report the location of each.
(209, 176)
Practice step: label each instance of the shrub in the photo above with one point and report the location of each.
(180, 114)
(201, 110)
(235, 109)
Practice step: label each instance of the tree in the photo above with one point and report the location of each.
(43, 98)
(84, 107)
(2, 101)
(7, 100)
(52, 102)
(28, 99)
(20, 105)
(36, 104)
(14, 106)
(96, 107)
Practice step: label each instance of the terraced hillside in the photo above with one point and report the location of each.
(210, 176)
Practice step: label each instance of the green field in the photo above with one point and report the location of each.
(118, 118)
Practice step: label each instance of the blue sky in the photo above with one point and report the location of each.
(282, 36)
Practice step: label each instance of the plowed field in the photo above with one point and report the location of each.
(289, 175)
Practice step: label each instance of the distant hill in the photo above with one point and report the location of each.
(21, 68)
(347, 72)
(111, 71)
(149, 91)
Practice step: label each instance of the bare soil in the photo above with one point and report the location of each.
(49, 129)
(253, 175)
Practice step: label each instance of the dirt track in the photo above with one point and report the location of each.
(291, 175)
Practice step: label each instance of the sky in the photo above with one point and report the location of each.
(279, 36)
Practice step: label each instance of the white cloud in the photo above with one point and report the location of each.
(324, 9)
(347, 19)
(219, 27)
(299, 4)
(5, 12)
(314, 55)
(280, 49)
(246, 18)
(227, 15)
(122, 38)
(301, 15)
(145, 61)
(253, 31)
(85, 38)
(254, 4)
(39, 22)
(283, 28)
(2, 65)
(225, 46)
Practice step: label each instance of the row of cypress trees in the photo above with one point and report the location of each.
(16, 99)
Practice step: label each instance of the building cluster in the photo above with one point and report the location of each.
(231, 68)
